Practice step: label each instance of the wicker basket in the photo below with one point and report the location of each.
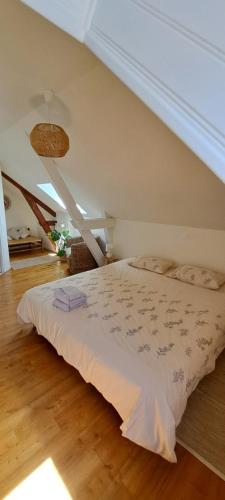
(81, 258)
(49, 140)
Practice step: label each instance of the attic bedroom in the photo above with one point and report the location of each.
(112, 244)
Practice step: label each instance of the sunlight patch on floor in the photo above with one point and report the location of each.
(43, 483)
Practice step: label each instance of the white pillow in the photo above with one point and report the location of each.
(18, 232)
(199, 276)
(24, 233)
(155, 264)
(14, 233)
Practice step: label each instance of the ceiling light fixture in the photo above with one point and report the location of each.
(48, 139)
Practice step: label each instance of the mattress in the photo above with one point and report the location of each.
(143, 340)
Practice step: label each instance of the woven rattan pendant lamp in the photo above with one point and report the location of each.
(48, 139)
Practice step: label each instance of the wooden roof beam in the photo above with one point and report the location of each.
(40, 217)
(30, 195)
(38, 214)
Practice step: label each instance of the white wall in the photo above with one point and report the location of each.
(4, 253)
(182, 244)
(20, 214)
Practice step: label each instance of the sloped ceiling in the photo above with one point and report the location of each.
(123, 159)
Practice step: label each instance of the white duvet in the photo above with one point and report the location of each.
(143, 340)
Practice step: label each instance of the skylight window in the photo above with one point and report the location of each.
(49, 189)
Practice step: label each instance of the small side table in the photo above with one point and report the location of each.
(109, 260)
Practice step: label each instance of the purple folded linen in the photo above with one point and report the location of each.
(68, 294)
(69, 307)
(75, 303)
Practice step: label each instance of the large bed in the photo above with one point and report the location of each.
(143, 340)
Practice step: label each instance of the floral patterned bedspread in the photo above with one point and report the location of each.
(144, 340)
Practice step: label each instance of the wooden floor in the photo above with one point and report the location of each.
(48, 411)
(28, 254)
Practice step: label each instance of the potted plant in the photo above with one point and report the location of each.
(61, 240)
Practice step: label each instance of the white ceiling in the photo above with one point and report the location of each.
(34, 55)
(122, 159)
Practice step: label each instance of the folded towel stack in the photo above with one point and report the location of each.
(69, 298)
